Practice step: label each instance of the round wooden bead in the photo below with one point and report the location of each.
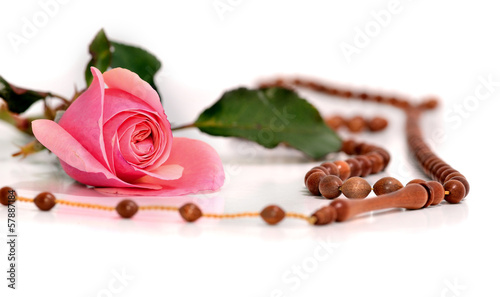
(363, 148)
(7, 196)
(331, 167)
(416, 181)
(349, 147)
(438, 191)
(312, 182)
(325, 170)
(190, 212)
(377, 124)
(344, 169)
(335, 122)
(464, 182)
(355, 167)
(386, 185)
(311, 172)
(45, 201)
(445, 173)
(329, 186)
(436, 166)
(356, 124)
(456, 191)
(385, 155)
(452, 175)
(366, 165)
(356, 187)
(430, 194)
(325, 215)
(366, 148)
(428, 162)
(272, 214)
(377, 162)
(127, 208)
(437, 170)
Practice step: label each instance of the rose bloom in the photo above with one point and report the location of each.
(119, 140)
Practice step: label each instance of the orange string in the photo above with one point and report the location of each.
(294, 215)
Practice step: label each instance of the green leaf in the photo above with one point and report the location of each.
(18, 99)
(270, 117)
(136, 60)
(111, 54)
(100, 50)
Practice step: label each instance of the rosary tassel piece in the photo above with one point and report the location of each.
(413, 196)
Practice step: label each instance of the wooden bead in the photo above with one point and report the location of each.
(356, 124)
(7, 196)
(356, 187)
(366, 148)
(430, 194)
(272, 214)
(464, 182)
(355, 167)
(344, 169)
(325, 170)
(335, 122)
(325, 215)
(437, 170)
(363, 148)
(445, 173)
(190, 212)
(349, 146)
(456, 191)
(331, 167)
(366, 165)
(430, 103)
(311, 172)
(45, 201)
(438, 191)
(452, 175)
(127, 208)
(385, 155)
(329, 186)
(428, 162)
(386, 185)
(436, 166)
(416, 181)
(377, 162)
(377, 124)
(312, 182)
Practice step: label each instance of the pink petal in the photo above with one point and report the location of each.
(87, 111)
(77, 161)
(202, 171)
(128, 81)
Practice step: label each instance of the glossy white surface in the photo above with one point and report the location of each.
(428, 48)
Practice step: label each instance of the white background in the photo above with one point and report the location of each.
(443, 49)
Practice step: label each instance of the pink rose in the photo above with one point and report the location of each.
(119, 138)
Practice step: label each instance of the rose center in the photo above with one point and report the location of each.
(142, 141)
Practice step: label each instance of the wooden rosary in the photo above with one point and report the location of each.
(330, 179)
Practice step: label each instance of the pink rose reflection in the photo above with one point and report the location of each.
(119, 140)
